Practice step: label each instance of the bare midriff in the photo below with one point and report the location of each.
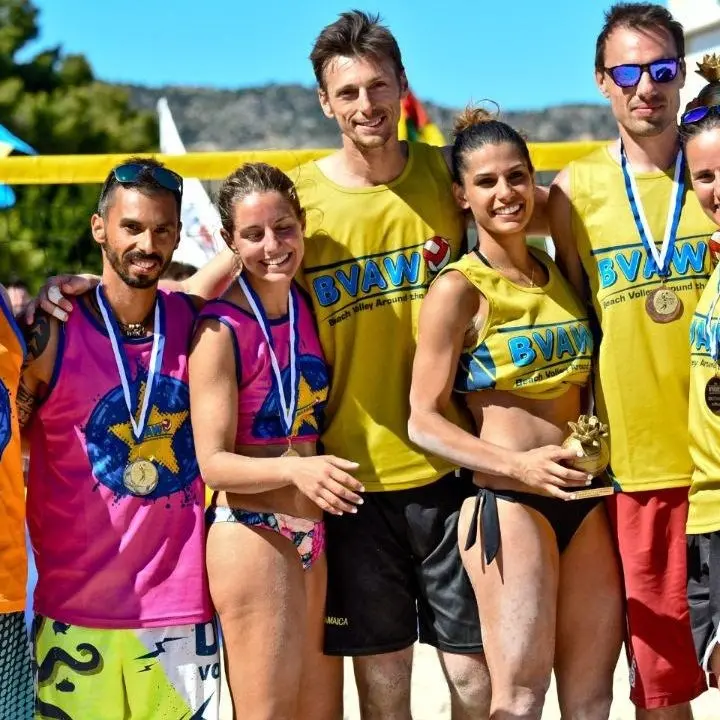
(287, 500)
(520, 423)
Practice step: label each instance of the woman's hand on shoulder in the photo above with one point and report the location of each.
(542, 470)
(325, 479)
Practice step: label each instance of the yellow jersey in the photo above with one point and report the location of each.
(13, 560)
(704, 423)
(641, 374)
(535, 342)
(370, 253)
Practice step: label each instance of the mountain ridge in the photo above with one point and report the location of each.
(289, 116)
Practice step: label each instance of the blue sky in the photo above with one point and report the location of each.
(520, 53)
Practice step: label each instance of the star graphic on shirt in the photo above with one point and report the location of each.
(307, 399)
(156, 442)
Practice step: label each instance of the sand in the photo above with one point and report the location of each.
(430, 700)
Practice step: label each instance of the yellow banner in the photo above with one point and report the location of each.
(68, 169)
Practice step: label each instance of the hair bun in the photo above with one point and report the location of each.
(473, 115)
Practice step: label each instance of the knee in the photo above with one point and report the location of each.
(387, 698)
(519, 701)
(383, 683)
(469, 682)
(715, 661)
(587, 707)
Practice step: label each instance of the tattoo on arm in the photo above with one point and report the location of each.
(37, 336)
(26, 400)
(32, 390)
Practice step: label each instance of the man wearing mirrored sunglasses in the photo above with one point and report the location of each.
(632, 237)
(123, 624)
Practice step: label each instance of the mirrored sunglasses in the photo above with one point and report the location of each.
(661, 71)
(130, 172)
(699, 113)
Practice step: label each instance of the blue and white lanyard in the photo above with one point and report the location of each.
(288, 406)
(664, 256)
(713, 336)
(121, 361)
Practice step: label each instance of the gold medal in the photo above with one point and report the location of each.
(712, 395)
(140, 477)
(714, 247)
(663, 305)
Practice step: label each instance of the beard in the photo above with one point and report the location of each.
(651, 126)
(369, 143)
(648, 128)
(121, 266)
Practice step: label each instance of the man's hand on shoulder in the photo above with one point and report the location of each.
(53, 294)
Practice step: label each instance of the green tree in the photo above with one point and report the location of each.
(55, 104)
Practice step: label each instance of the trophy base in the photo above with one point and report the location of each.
(602, 489)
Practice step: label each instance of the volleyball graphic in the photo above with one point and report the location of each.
(436, 252)
(714, 247)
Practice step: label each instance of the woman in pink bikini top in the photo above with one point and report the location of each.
(258, 386)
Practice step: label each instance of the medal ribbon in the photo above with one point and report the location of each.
(713, 336)
(121, 361)
(288, 405)
(662, 259)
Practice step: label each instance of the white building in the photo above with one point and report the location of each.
(701, 20)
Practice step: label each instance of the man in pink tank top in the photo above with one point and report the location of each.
(115, 499)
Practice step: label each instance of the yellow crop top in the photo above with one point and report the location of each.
(536, 341)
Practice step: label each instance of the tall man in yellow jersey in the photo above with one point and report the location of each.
(381, 221)
(16, 688)
(626, 216)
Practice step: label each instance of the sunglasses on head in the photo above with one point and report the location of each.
(130, 172)
(699, 113)
(661, 71)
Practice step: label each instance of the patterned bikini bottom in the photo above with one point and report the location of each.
(307, 536)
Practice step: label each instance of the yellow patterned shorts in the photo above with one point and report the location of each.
(163, 673)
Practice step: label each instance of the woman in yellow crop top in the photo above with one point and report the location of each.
(503, 327)
(700, 132)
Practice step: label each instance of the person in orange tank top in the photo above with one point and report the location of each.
(16, 690)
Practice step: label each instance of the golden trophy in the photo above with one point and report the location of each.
(587, 438)
(709, 69)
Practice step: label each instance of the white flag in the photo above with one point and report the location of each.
(200, 239)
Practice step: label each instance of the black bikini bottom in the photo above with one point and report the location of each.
(564, 516)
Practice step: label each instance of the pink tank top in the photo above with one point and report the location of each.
(259, 409)
(107, 558)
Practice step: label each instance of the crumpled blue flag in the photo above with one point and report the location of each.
(7, 197)
(10, 143)
(7, 138)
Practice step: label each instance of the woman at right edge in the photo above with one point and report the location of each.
(700, 135)
(503, 327)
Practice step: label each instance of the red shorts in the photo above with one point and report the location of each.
(649, 530)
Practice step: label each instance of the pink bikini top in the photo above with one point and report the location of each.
(259, 418)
